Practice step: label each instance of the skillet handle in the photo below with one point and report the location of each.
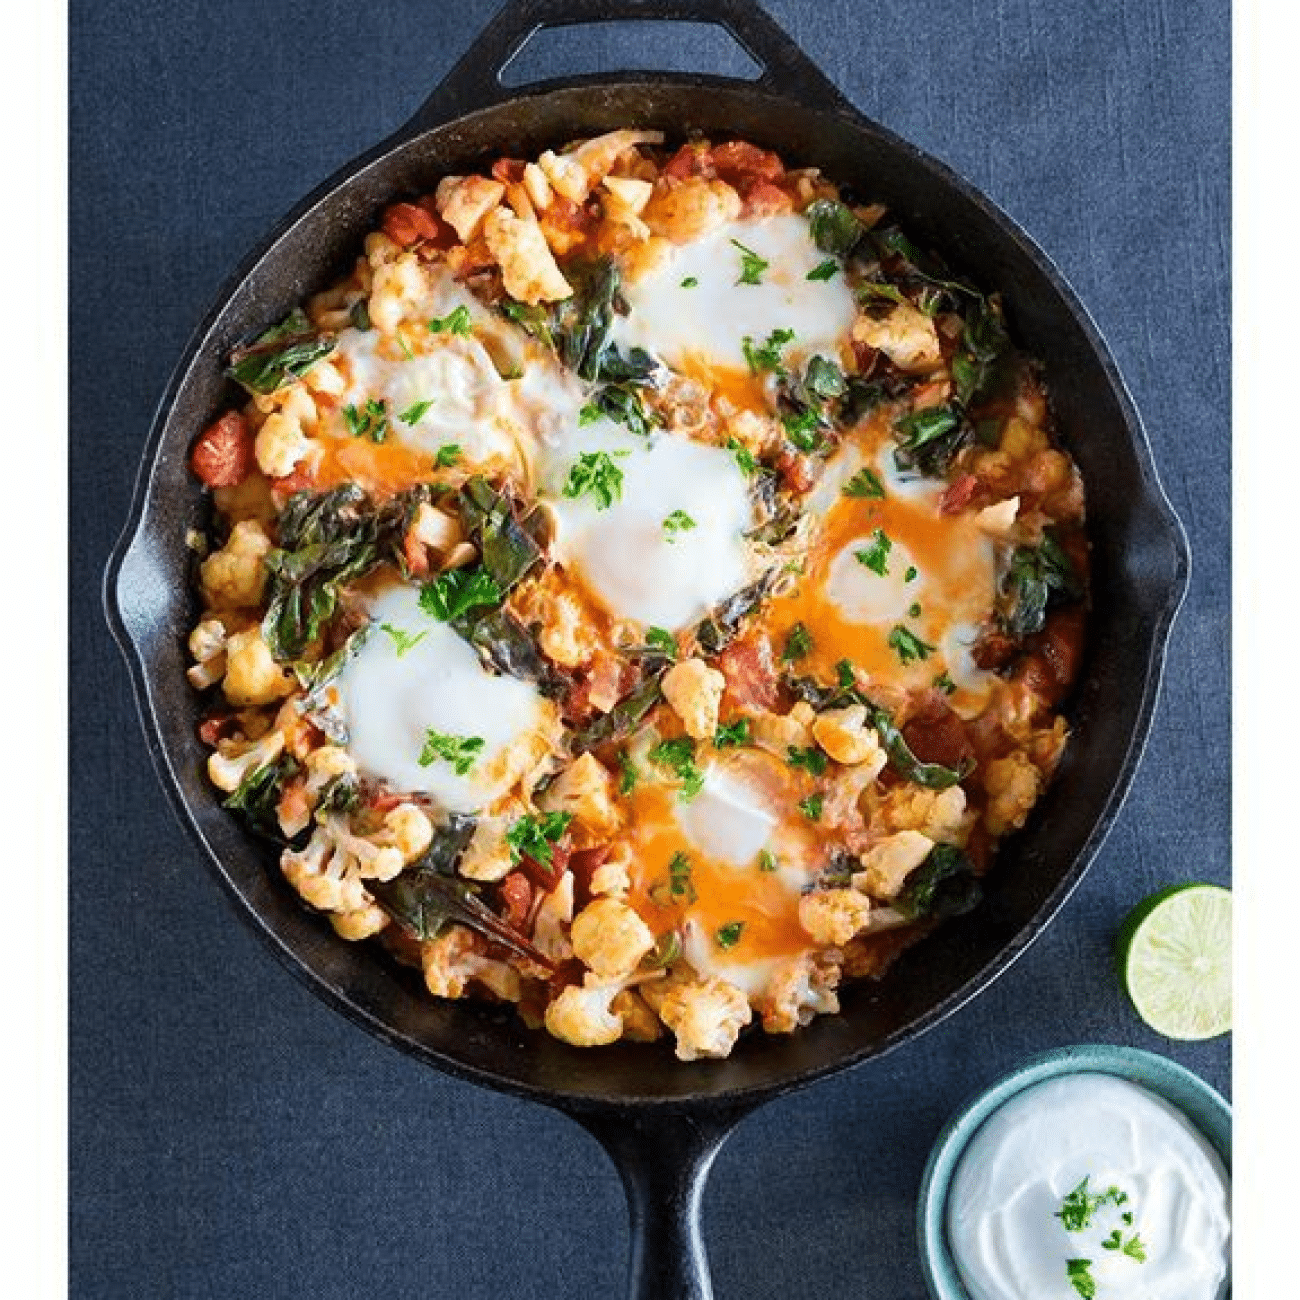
(475, 81)
(664, 1161)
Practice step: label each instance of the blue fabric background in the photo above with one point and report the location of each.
(233, 1138)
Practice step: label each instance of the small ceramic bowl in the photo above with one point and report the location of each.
(1202, 1106)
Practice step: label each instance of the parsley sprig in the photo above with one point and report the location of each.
(596, 475)
(535, 836)
(460, 751)
(751, 265)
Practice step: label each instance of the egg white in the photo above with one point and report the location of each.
(711, 318)
(391, 700)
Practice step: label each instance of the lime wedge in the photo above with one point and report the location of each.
(1175, 959)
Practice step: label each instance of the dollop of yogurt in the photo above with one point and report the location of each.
(1151, 1221)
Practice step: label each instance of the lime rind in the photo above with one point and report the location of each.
(1175, 958)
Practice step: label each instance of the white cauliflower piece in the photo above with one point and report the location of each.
(528, 266)
(844, 735)
(488, 856)
(367, 920)
(407, 829)
(629, 196)
(552, 919)
(834, 916)
(464, 201)
(399, 287)
(325, 764)
(1013, 785)
(207, 644)
(435, 528)
(566, 637)
(252, 674)
(694, 692)
(610, 938)
(890, 861)
(585, 790)
(567, 176)
(998, 519)
(907, 336)
(799, 990)
(706, 1017)
(640, 1024)
(281, 445)
(778, 733)
(452, 961)
(235, 576)
(537, 187)
(612, 878)
(330, 870)
(686, 212)
(947, 821)
(598, 155)
(582, 1016)
(231, 764)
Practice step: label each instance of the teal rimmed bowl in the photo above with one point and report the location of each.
(1202, 1106)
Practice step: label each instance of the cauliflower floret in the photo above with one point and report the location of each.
(399, 286)
(999, 519)
(488, 856)
(598, 155)
(537, 187)
(328, 872)
(452, 960)
(567, 176)
(207, 644)
(231, 765)
(939, 814)
(367, 920)
(907, 336)
(235, 576)
(706, 1017)
(694, 692)
(566, 637)
(585, 790)
(581, 1015)
(528, 266)
(841, 809)
(407, 829)
(326, 763)
(252, 675)
(640, 1024)
(834, 916)
(844, 735)
(551, 922)
(464, 201)
(281, 445)
(887, 864)
(1013, 784)
(629, 196)
(1020, 439)
(610, 938)
(686, 212)
(435, 528)
(800, 989)
(778, 733)
(612, 877)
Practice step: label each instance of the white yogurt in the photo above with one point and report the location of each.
(1007, 1240)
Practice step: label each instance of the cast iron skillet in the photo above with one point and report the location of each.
(662, 1121)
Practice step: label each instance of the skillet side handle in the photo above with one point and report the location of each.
(664, 1161)
(475, 81)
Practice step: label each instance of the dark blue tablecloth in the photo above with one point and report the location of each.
(231, 1137)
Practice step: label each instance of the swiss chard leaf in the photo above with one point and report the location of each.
(1036, 578)
(929, 439)
(724, 621)
(258, 796)
(507, 646)
(623, 718)
(284, 352)
(580, 324)
(943, 885)
(508, 548)
(833, 226)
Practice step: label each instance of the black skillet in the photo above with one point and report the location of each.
(661, 1121)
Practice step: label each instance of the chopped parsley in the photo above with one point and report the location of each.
(1134, 1247)
(627, 773)
(751, 265)
(460, 751)
(767, 860)
(803, 429)
(533, 837)
(823, 270)
(811, 760)
(680, 884)
(945, 684)
(907, 645)
(811, 807)
(371, 421)
(1076, 1271)
(590, 414)
(402, 641)
(845, 674)
(768, 355)
(456, 322)
(595, 474)
(415, 412)
(666, 951)
(690, 282)
(448, 455)
(677, 523)
(731, 734)
(1078, 1207)
(798, 643)
(729, 935)
(910, 575)
(914, 611)
(662, 640)
(678, 757)
(866, 484)
(876, 556)
(744, 457)
(457, 591)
